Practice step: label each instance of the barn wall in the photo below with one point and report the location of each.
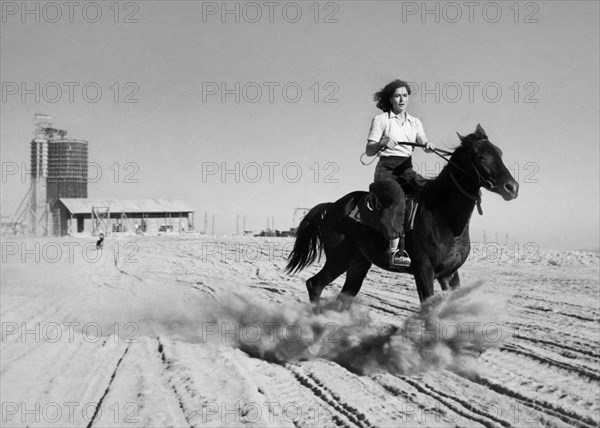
(153, 222)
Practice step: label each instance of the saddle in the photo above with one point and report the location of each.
(364, 212)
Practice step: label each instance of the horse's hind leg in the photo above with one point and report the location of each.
(333, 268)
(354, 279)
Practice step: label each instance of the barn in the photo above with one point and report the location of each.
(57, 202)
(82, 215)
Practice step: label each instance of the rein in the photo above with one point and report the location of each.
(438, 152)
(480, 181)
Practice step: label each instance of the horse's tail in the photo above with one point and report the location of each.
(308, 245)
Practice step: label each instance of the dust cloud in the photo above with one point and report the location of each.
(447, 332)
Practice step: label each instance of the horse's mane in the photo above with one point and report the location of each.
(456, 152)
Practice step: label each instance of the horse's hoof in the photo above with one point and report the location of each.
(314, 349)
(343, 302)
(316, 307)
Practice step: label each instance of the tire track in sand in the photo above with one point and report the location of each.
(564, 415)
(317, 387)
(459, 406)
(168, 364)
(561, 395)
(546, 359)
(107, 390)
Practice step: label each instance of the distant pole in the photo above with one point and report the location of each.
(273, 223)
(497, 242)
(506, 239)
(205, 223)
(213, 225)
(267, 223)
(244, 228)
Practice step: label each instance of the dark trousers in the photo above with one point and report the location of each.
(399, 169)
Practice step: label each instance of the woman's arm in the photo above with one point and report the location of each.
(377, 140)
(374, 147)
(422, 138)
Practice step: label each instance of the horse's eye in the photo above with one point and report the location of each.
(481, 158)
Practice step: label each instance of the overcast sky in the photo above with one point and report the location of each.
(172, 94)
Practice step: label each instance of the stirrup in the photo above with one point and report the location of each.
(397, 260)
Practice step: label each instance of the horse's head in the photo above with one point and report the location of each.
(483, 161)
(385, 197)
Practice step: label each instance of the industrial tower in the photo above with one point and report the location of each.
(59, 169)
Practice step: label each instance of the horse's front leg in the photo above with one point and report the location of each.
(455, 281)
(424, 278)
(444, 282)
(451, 281)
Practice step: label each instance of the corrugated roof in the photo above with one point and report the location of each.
(84, 206)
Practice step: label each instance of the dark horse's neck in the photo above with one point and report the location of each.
(453, 194)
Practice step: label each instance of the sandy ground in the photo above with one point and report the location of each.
(199, 331)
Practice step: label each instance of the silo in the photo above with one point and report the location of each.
(59, 169)
(67, 169)
(67, 177)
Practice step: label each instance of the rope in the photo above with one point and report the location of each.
(372, 160)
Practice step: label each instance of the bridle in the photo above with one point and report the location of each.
(481, 182)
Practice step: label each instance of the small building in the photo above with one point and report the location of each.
(81, 215)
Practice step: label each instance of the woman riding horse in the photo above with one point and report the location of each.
(389, 128)
(439, 242)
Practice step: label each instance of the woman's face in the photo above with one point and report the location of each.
(399, 100)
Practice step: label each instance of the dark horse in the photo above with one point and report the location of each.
(438, 244)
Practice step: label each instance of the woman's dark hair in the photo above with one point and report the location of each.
(382, 98)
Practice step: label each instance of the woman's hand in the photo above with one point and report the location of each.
(387, 143)
(428, 147)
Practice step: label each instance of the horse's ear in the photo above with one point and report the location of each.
(479, 131)
(460, 137)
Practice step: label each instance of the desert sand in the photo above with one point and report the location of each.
(182, 331)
